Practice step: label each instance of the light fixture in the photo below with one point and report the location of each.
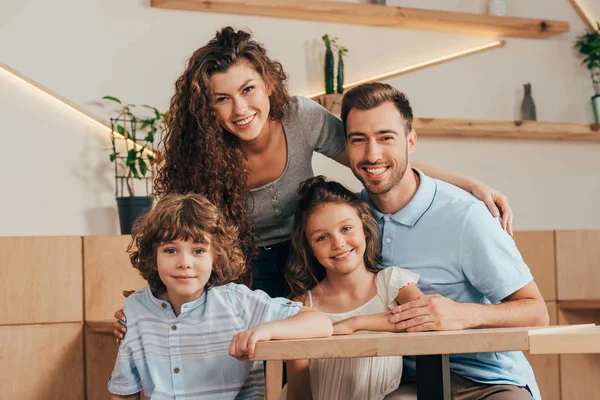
(66, 104)
(583, 14)
(420, 65)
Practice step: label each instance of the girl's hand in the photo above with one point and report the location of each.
(344, 327)
(119, 330)
(496, 202)
(244, 343)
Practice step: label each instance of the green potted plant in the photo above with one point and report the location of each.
(133, 135)
(332, 99)
(588, 45)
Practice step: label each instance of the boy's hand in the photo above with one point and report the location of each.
(243, 344)
(119, 330)
(344, 327)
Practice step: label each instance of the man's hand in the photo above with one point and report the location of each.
(430, 313)
(243, 344)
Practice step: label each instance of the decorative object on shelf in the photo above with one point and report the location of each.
(340, 69)
(496, 7)
(527, 105)
(332, 99)
(588, 45)
(136, 164)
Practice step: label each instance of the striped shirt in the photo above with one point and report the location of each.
(187, 357)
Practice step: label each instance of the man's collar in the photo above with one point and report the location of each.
(410, 214)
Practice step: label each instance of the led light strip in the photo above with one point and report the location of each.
(583, 14)
(417, 66)
(67, 104)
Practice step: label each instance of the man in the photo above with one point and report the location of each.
(471, 271)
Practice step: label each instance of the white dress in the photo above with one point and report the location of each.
(368, 378)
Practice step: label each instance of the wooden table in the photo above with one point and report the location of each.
(431, 348)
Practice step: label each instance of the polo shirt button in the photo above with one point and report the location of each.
(388, 240)
(176, 370)
(173, 327)
(386, 219)
(164, 305)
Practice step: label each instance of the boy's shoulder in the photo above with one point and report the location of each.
(137, 300)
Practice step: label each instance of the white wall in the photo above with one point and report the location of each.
(56, 176)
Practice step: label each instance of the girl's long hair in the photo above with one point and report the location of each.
(304, 271)
(199, 155)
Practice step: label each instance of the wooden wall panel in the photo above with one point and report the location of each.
(41, 362)
(578, 265)
(579, 372)
(107, 272)
(42, 280)
(537, 249)
(100, 355)
(546, 367)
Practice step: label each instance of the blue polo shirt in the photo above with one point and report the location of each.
(460, 251)
(187, 356)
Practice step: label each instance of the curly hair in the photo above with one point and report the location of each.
(189, 217)
(304, 271)
(199, 155)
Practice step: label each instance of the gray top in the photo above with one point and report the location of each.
(308, 127)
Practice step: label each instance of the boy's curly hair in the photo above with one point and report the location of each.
(186, 217)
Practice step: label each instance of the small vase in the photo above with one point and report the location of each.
(527, 105)
(332, 102)
(596, 105)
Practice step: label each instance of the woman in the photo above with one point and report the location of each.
(235, 135)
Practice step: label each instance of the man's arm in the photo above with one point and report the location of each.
(491, 262)
(525, 307)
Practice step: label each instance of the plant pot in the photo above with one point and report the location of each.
(130, 209)
(596, 106)
(332, 102)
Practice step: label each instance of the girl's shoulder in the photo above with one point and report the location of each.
(391, 279)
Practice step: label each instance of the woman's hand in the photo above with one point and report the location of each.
(496, 202)
(119, 330)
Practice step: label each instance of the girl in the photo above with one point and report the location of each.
(334, 270)
(235, 135)
(182, 324)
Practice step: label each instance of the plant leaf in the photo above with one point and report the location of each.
(131, 155)
(143, 166)
(112, 99)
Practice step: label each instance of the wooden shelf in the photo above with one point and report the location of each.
(530, 130)
(579, 304)
(378, 15)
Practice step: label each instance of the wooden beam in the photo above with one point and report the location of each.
(394, 344)
(583, 14)
(378, 15)
(506, 129)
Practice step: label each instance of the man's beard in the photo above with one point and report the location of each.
(372, 187)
